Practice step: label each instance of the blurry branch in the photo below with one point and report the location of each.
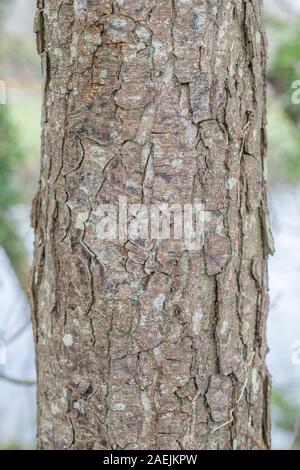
(18, 333)
(18, 260)
(30, 383)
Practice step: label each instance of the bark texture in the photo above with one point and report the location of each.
(145, 345)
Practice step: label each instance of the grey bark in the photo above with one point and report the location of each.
(148, 346)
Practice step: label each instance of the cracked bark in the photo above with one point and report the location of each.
(143, 345)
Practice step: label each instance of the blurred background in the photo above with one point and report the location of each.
(19, 169)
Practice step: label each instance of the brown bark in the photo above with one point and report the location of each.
(146, 345)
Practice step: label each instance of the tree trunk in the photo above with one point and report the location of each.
(144, 344)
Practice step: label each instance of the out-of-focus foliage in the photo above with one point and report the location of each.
(11, 446)
(284, 143)
(284, 167)
(285, 411)
(21, 58)
(285, 68)
(10, 158)
(283, 114)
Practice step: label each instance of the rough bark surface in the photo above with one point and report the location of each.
(146, 346)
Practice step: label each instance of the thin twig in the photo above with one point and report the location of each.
(15, 381)
(18, 333)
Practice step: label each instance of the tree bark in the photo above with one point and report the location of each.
(146, 345)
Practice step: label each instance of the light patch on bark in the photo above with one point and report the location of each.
(230, 183)
(177, 163)
(82, 217)
(80, 8)
(159, 302)
(68, 340)
(255, 381)
(224, 328)
(118, 407)
(79, 406)
(55, 408)
(197, 318)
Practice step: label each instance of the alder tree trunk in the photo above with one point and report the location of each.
(145, 345)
